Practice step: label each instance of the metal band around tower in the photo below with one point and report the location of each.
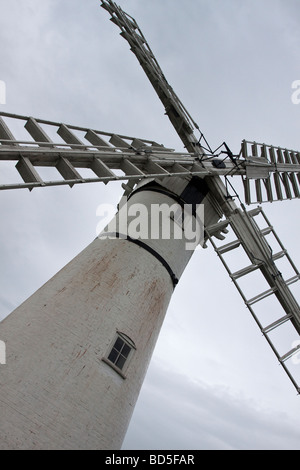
(153, 252)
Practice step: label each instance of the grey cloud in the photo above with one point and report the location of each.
(186, 414)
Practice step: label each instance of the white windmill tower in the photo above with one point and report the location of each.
(94, 325)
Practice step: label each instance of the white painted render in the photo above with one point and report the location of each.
(56, 392)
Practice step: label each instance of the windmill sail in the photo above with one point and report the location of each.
(109, 156)
(263, 162)
(175, 110)
(253, 241)
(274, 170)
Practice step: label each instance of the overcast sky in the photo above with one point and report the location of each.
(214, 382)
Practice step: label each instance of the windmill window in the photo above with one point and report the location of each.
(120, 353)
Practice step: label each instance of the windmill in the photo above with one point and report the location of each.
(273, 171)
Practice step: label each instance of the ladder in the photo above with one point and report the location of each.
(255, 245)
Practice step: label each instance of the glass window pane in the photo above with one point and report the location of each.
(120, 362)
(119, 344)
(113, 355)
(119, 352)
(126, 350)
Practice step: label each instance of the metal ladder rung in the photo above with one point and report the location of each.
(28, 172)
(177, 168)
(253, 267)
(101, 169)
(37, 132)
(289, 354)
(269, 191)
(269, 292)
(294, 185)
(5, 132)
(67, 171)
(95, 139)
(261, 296)
(266, 231)
(117, 141)
(247, 192)
(286, 184)
(254, 212)
(130, 169)
(139, 144)
(276, 178)
(152, 167)
(279, 255)
(292, 280)
(277, 323)
(244, 271)
(228, 247)
(68, 136)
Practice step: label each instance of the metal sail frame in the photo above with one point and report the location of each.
(102, 152)
(137, 158)
(248, 235)
(275, 172)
